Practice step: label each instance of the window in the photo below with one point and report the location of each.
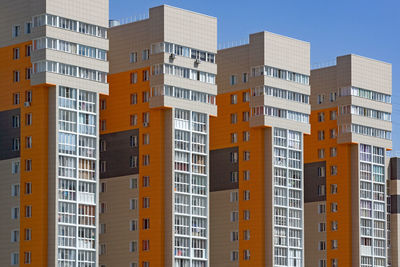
(27, 257)
(133, 183)
(14, 236)
(246, 136)
(133, 246)
(133, 141)
(145, 96)
(145, 118)
(14, 258)
(146, 160)
(103, 249)
(246, 175)
(321, 135)
(28, 165)
(15, 53)
(146, 223)
(321, 116)
(334, 188)
(28, 73)
(16, 31)
(246, 155)
(246, 234)
(146, 139)
(332, 133)
(333, 114)
(15, 213)
(234, 236)
(234, 255)
(16, 76)
(234, 216)
(28, 234)
(28, 188)
(234, 177)
(133, 77)
(321, 208)
(103, 104)
(333, 170)
(234, 157)
(321, 190)
(145, 245)
(15, 167)
(321, 227)
(233, 80)
(103, 145)
(103, 187)
(15, 190)
(16, 121)
(233, 99)
(16, 99)
(28, 119)
(133, 204)
(321, 153)
(333, 152)
(246, 254)
(234, 196)
(245, 78)
(133, 161)
(28, 142)
(28, 27)
(246, 195)
(233, 118)
(233, 137)
(322, 245)
(133, 99)
(146, 181)
(28, 211)
(246, 97)
(103, 166)
(145, 264)
(320, 99)
(133, 120)
(334, 244)
(133, 225)
(145, 54)
(334, 225)
(145, 75)
(332, 96)
(334, 207)
(246, 116)
(103, 125)
(15, 144)
(321, 171)
(103, 208)
(133, 57)
(246, 215)
(146, 202)
(28, 96)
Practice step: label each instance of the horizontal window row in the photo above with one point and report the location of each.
(183, 51)
(280, 113)
(69, 24)
(365, 93)
(280, 93)
(69, 47)
(280, 74)
(366, 130)
(17, 75)
(183, 72)
(366, 112)
(16, 51)
(187, 94)
(70, 70)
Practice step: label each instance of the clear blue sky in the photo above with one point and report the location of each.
(369, 28)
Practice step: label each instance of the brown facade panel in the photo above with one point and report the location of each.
(8, 133)
(221, 167)
(116, 151)
(312, 181)
(394, 169)
(395, 204)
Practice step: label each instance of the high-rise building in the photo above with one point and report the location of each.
(154, 140)
(394, 209)
(256, 143)
(54, 65)
(346, 164)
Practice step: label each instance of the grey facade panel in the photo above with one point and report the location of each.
(118, 152)
(312, 181)
(394, 169)
(221, 168)
(395, 204)
(7, 133)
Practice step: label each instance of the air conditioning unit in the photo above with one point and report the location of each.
(145, 124)
(27, 104)
(172, 56)
(197, 61)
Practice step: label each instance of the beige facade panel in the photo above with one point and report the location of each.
(221, 227)
(8, 202)
(117, 219)
(394, 187)
(166, 101)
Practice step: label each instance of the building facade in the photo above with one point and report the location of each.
(346, 168)
(394, 209)
(155, 141)
(54, 66)
(257, 153)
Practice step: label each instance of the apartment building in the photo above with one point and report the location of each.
(346, 168)
(394, 210)
(155, 140)
(54, 66)
(256, 143)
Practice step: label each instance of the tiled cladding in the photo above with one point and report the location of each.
(8, 133)
(117, 152)
(312, 181)
(222, 168)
